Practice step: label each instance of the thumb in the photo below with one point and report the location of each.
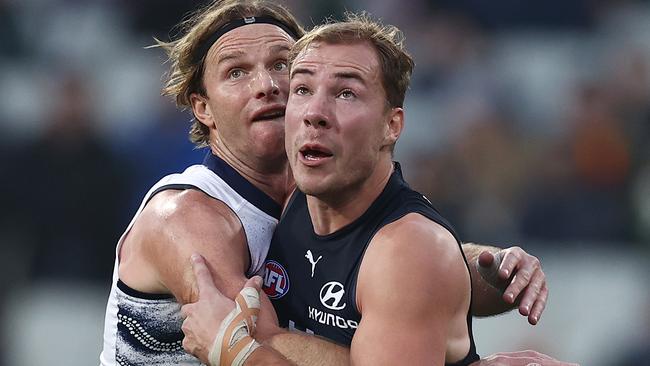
(202, 274)
(488, 267)
(254, 282)
(251, 294)
(486, 258)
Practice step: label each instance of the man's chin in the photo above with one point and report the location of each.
(268, 148)
(312, 187)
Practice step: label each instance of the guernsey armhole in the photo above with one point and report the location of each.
(141, 295)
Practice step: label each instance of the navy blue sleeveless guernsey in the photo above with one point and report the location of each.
(311, 279)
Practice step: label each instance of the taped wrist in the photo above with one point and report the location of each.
(234, 342)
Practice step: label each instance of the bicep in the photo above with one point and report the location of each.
(198, 225)
(406, 316)
(404, 336)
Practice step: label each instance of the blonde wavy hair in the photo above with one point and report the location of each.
(185, 75)
(396, 64)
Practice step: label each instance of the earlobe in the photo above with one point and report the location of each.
(201, 109)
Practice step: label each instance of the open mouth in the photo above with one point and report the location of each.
(314, 152)
(269, 114)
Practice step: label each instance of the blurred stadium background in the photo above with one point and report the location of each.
(527, 123)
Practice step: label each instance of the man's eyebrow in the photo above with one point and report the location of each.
(350, 75)
(278, 48)
(229, 56)
(300, 70)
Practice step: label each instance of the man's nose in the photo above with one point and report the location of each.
(264, 85)
(318, 113)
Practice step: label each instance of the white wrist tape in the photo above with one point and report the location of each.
(234, 342)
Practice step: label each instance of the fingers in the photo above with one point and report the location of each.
(529, 355)
(526, 267)
(186, 310)
(520, 358)
(528, 286)
(188, 343)
(539, 306)
(202, 274)
(537, 355)
(519, 282)
(531, 292)
(511, 259)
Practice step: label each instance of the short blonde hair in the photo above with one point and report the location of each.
(185, 75)
(396, 64)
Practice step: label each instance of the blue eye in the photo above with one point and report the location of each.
(235, 74)
(301, 90)
(280, 66)
(347, 94)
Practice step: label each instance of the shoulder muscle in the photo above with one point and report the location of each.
(409, 253)
(411, 285)
(176, 224)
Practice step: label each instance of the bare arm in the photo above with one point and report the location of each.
(175, 224)
(309, 350)
(503, 279)
(204, 317)
(407, 318)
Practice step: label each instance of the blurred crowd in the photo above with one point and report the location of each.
(527, 122)
(540, 119)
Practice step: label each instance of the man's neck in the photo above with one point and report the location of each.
(271, 176)
(330, 214)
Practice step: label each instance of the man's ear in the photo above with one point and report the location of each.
(395, 126)
(201, 109)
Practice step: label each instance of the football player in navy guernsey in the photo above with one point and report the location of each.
(358, 256)
(392, 282)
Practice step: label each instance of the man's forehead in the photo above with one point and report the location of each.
(252, 37)
(335, 58)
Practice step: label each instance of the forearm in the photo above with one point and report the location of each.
(486, 299)
(267, 356)
(308, 350)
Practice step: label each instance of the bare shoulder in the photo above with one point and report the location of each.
(416, 238)
(409, 253)
(173, 225)
(187, 209)
(173, 217)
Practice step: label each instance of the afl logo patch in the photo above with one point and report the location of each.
(276, 280)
